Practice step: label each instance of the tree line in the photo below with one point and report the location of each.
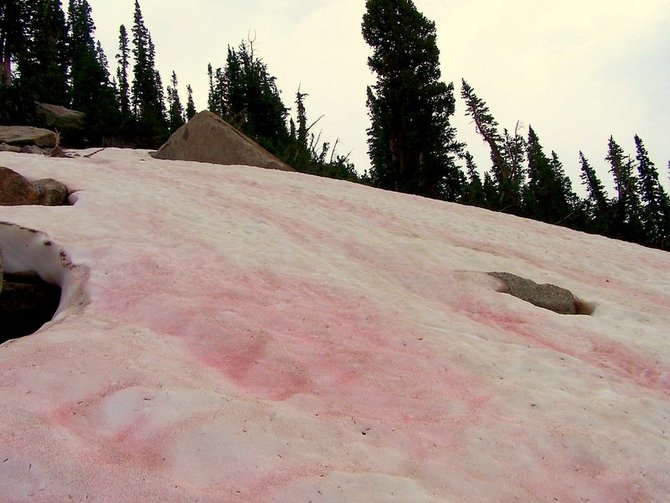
(413, 146)
(48, 56)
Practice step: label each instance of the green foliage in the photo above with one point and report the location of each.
(14, 21)
(412, 145)
(245, 94)
(627, 222)
(147, 89)
(597, 205)
(190, 104)
(43, 64)
(123, 63)
(474, 189)
(507, 153)
(18, 105)
(656, 211)
(175, 109)
(548, 194)
(91, 89)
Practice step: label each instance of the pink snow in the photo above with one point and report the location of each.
(240, 334)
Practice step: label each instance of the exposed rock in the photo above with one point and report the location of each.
(1, 270)
(32, 149)
(26, 304)
(51, 192)
(5, 147)
(27, 135)
(208, 138)
(547, 296)
(15, 189)
(61, 118)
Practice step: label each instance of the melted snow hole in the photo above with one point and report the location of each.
(39, 281)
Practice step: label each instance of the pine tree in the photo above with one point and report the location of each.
(175, 109)
(123, 61)
(412, 144)
(14, 21)
(247, 96)
(656, 211)
(506, 151)
(301, 116)
(474, 189)
(190, 104)
(627, 213)
(548, 194)
(216, 101)
(17, 102)
(147, 89)
(43, 66)
(597, 205)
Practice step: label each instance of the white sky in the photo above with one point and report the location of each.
(576, 71)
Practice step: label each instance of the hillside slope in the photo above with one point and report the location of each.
(240, 334)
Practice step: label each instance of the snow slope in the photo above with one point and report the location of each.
(238, 334)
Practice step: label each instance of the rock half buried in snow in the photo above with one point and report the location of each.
(27, 135)
(208, 138)
(51, 192)
(15, 190)
(547, 296)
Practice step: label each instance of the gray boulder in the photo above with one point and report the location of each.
(208, 138)
(546, 296)
(32, 149)
(61, 118)
(51, 192)
(27, 135)
(15, 189)
(5, 147)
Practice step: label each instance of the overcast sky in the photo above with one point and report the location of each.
(577, 71)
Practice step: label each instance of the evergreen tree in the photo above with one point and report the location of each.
(506, 151)
(190, 104)
(91, 89)
(514, 154)
(175, 108)
(597, 205)
(573, 210)
(301, 112)
(474, 190)
(627, 222)
(14, 20)
(123, 61)
(43, 66)
(246, 95)
(17, 103)
(147, 89)
(656, 211)
(412, 144)
(548, 194)
(216, 100)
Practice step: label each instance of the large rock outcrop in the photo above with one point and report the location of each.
(27, 135)
(61, 118)
(208, 138)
